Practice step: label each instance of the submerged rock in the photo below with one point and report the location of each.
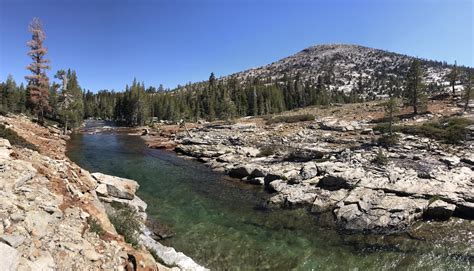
(160, 231)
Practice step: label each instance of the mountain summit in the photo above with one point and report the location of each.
(348, 68)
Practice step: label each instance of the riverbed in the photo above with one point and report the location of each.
(221, 224)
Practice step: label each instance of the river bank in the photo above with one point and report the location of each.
(55, 213)
(221, 222)
(329, 167)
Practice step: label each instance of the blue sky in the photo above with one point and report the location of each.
(109, 42)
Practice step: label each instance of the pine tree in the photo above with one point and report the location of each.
(70, 100)
(212, 80)
(468, 91)
(8, 96)
(61, 75)
(38, 82)
(211, 98)
(161, 88)
(390, 108)
(414, 91)
(21, 98)
(54, 100)
(453, 76)
(254, 99)
(228, 109)
(143, 105)
(360, 85)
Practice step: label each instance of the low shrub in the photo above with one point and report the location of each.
(382, 127)
(450, 130)
(266, 117)
(118, 205)
(15, 139)
(268, 150)
(94, 226)
(434, 198)
(127, 223)
(380, 159)
(290, 119)
(387, 140)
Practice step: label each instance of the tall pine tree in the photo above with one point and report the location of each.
(453, 77)
(414, 90)
(38, 81)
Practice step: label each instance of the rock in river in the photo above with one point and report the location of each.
(241, 171)
(439, 210)
(117, 187)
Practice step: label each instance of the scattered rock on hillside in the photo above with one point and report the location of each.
(10, 257)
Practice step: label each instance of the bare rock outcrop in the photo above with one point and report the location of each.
(115, 187)
(43, 229)
(317, 166)
(52, 213)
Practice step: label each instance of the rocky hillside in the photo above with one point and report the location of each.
(348, 67)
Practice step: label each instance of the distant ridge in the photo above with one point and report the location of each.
(349, 67)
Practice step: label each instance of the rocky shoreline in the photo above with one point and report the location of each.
(54, 213)
(112, 189)
(327, 166)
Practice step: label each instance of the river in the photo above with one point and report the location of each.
(219, 223)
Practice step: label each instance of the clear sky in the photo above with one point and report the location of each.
(109, 42)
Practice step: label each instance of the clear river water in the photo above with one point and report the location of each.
(217, 221)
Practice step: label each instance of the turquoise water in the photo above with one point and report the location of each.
(218, 222)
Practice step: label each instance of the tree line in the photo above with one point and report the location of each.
(65, 101)
(210, 100)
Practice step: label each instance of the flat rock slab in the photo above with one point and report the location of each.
(115, 186)
(169, 255)
(37, 223)
(9, 258)
(370, 210)
(12, 240)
